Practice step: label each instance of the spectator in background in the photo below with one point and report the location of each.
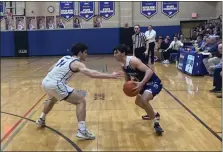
(168, 38)
(164, 45)
(194, 35)
(217, 82)
(174, 47)
(212, 48)
(215, 62)
(203, 44)
(182, 39)
(151, 37)
(157, 51)
(211, 45)
(199, 41)
(220, 96)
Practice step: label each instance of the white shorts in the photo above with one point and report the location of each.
(56, 89)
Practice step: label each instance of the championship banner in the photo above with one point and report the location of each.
(1, 10)
(67, 10)
(106, 9)
(148, 8)
(170, 8)
(86, 10)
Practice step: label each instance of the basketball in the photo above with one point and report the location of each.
(128, 87)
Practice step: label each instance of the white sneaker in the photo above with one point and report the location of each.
(40, 122)
(85, 134)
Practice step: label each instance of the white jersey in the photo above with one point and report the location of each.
(61, 72)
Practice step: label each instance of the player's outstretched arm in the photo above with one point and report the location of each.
(93, 73)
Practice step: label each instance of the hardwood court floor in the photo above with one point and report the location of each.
(190, 115)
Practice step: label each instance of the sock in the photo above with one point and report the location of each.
(81, 125)
(43, 116)
(155, 120)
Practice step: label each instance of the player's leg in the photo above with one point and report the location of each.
(80, 102)
(148, 94)
(145, 117)
(48, 105)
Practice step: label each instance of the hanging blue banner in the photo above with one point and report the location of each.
(148, 8)
(106, 9)
(86, 10)
(170, 8)
(67, 10)
(1, 10)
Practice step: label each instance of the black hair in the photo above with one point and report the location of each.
(122, 48)
(78, 47)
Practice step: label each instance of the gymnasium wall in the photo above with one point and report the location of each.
(130, 12)
(100, 40)
(58, 42)
(205, 10)
(218, 9)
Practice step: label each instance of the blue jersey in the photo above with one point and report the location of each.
(138, 75)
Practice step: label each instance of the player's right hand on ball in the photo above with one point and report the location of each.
(118, 75)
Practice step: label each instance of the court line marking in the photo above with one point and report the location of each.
(16, 125)
(195, 116)
(52, 129)
(15, 132)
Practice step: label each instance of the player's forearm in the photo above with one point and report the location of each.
(96, 74)
(147, 77)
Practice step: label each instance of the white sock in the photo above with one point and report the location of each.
(43, 116)
(81, 125)
(155, 120)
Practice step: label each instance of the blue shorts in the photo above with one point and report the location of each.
(152, 87)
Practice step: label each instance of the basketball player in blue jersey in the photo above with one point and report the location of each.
(55, 86)
(147, 82)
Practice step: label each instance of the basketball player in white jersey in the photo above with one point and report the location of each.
(54, 85)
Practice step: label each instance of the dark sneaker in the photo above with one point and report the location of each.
(158, 129)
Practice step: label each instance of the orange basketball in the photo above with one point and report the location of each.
(128, 87)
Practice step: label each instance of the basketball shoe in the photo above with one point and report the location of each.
(40, 122)
(158, 128)
(146, 117)
(85, 134)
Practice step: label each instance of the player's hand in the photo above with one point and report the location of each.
(146, 53)
(117, 75)
(138, 87)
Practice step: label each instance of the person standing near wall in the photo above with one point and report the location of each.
(139, 45)
(151, 37)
